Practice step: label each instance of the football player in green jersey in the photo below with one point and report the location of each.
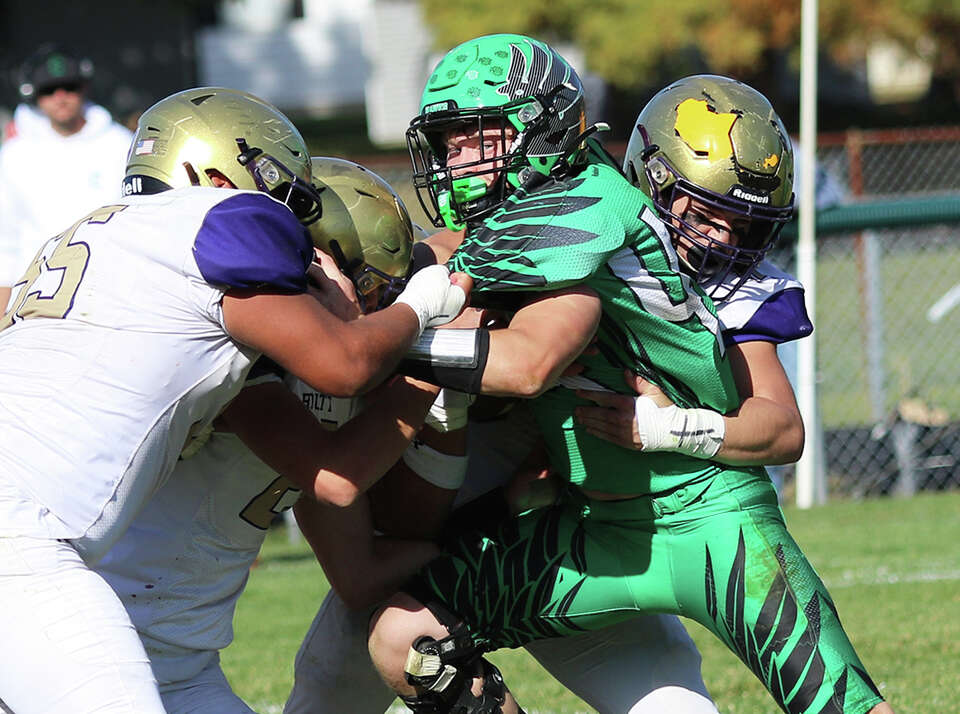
(557, 235)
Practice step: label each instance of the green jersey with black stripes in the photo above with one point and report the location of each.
(593, 227)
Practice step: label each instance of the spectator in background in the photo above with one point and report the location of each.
(63, 156)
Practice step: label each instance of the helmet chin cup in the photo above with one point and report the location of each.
(463, 191)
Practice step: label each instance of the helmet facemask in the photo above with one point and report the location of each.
(451, 197)
(712, 262)
(375, 289)
(272, 177)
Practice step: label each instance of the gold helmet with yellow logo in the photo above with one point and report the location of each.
(720, 145)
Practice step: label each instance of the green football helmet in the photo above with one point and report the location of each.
(719, 142)
(365, 228)
(192, 135)
(494, 82)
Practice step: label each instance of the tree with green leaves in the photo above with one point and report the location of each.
(628, 43)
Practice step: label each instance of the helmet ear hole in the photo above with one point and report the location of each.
(216, 177)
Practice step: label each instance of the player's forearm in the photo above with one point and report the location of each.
(519, 366)
(761, 432)
(378, 573)
(372, 442)
(542, 340)
(443, 244)
(396, 560)
(361, 567)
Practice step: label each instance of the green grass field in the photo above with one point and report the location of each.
(893, 568)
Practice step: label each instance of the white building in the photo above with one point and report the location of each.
(341, 55)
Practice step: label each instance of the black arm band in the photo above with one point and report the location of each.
(462, 379)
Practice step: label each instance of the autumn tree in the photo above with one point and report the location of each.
(627, 42)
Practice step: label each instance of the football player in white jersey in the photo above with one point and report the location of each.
(183, 563)
(129, 332)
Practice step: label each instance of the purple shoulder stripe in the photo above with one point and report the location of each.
(251, 241)
(781, 318)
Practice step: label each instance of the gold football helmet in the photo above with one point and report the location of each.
(365, 228)
(719, 142)
(194, 135)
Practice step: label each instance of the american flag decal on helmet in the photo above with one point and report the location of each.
(144, 146)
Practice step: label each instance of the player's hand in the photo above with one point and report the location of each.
(532, 488)
(333, 289)
(614, 418)
(644, 388)
(435, 295)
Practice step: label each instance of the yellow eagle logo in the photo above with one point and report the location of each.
(704, 130)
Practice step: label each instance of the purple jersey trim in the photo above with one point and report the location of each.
(780, 319)
(251, 241)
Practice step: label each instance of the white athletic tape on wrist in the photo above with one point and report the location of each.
(449, 410)
(431, 295)
(694, 432)
(442, 470)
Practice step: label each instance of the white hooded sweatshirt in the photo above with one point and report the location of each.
(49, 181)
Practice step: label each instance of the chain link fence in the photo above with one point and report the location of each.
(888, 316)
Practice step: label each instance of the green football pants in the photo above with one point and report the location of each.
(717, 551)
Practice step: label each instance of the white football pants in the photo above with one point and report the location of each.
(67, 642)
(208, 692)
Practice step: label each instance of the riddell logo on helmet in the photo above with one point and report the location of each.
(743, 195)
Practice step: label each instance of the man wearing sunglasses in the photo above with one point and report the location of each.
(65, 157)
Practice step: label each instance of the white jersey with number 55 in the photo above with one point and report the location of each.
(113, 349)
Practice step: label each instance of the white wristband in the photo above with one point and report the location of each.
(449, 410)
(442, 470)
(694, 432)
(431, 295)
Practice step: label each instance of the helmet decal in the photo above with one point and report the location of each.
(705, 130)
